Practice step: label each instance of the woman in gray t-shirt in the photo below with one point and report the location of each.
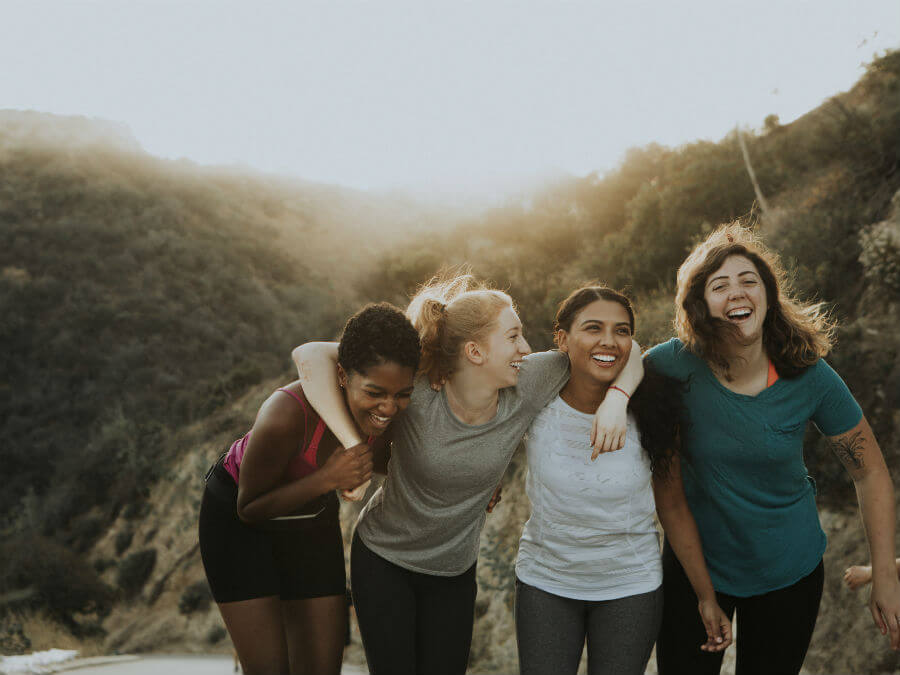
(415, 548)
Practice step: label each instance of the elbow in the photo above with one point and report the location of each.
(298, 354)
(247, 514)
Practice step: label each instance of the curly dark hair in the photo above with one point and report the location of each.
(378, 333)
(658, 408)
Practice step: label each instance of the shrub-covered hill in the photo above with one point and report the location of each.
(144, 300)
(139, 294)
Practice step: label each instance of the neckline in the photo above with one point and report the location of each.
(464, 425)
(745, 397)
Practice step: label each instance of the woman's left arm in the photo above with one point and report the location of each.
(682, 535)
(859, 453)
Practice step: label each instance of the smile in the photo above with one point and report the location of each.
(378, 421)
(516, 364)
(739, 314)
(604, 360)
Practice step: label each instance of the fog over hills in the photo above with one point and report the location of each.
(150, 305)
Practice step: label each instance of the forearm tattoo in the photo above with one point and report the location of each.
(849, 449)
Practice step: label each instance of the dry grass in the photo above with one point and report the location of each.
(45, 633)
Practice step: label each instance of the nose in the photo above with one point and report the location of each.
(524, 347)
(736, 291)
(388, 407)
(607, 339)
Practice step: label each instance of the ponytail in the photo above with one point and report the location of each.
(449, 311)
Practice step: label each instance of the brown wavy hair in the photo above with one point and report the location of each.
(448, 311)
(795, 334)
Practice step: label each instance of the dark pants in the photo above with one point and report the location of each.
(774, 628)
(410, 622)
(551, 632)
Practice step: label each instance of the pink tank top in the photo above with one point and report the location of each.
(302, 465)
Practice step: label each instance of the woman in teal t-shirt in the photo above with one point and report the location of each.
(752, 358)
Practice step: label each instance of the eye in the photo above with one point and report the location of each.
(624, 331)
(718, 287)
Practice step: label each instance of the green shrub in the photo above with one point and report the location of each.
(135, 570)
(195, 598)
(123, 541)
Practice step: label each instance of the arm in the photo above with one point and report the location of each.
(681, 533)
(273, 444)
(608, 427)
(317, 366)
(859, 453)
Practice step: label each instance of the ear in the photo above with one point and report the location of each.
(562, 341)
(342, 376)
(474, 353)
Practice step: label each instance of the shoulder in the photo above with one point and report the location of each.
(553, 360)
(285, 411)
(543, 372)
(673, 358)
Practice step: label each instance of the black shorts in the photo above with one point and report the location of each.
(244, 562)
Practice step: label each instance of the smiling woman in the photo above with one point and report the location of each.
(589, 554)
(754, 359)
(269, 532)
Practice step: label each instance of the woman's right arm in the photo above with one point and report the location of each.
(317, 366)
(681, 532)
(278, 430)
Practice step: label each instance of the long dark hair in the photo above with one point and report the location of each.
(657, 403)
(795, 334)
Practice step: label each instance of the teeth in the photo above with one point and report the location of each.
(378, 418)
(516, 364)
(738, 314)
(606, 358)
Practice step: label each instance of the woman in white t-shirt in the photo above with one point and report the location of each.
(589, 563)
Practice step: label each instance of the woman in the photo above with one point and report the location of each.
(753, 358)
(413, 555)
(269, 531)
(589, 564)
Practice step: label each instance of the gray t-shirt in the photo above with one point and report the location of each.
(428, 515)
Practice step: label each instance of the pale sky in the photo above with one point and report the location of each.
(432, 96)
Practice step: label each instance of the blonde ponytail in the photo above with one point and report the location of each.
(448, 311)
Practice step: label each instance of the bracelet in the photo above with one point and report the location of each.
(621, 390)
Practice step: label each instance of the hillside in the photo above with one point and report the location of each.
(151, 305)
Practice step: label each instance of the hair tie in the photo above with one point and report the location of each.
(730, 238)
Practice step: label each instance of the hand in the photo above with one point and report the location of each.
(857, 576)
(348, 468)
(884, 604)
(495, 499)
(356, 494)
(609, 424)
(717, 624)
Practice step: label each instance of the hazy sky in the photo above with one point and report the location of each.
(425, 95)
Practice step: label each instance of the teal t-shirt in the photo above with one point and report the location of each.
(745, 479)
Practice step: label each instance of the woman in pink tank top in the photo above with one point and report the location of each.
(270, 535)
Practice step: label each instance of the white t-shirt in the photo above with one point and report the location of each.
(592, 533)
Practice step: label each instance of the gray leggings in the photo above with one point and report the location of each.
(551, 630)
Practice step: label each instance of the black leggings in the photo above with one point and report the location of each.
(775, 627)
(410, 622)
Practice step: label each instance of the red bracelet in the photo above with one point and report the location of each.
(621, 390)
